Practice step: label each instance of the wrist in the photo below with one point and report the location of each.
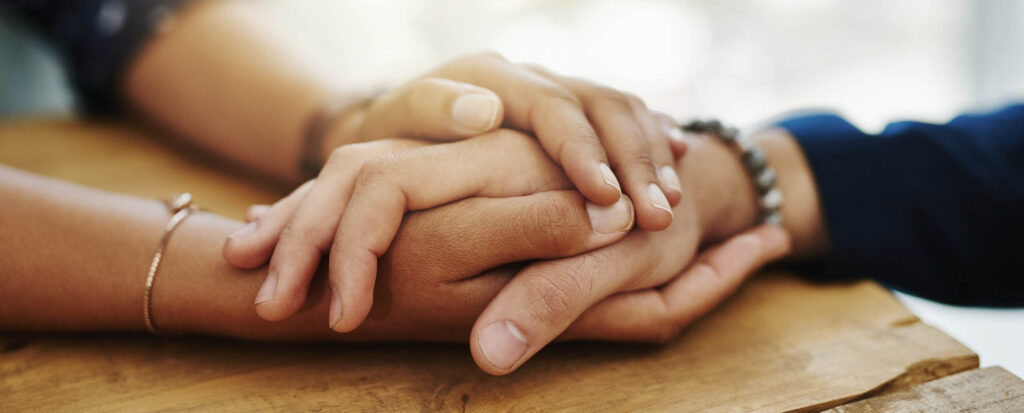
(724, 198)
(726, 201)
(342, 130)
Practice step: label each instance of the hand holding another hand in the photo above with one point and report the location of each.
(437, 275)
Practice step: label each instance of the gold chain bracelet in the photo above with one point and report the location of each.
(180, 207)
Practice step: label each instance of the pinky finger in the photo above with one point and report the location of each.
(658, 315)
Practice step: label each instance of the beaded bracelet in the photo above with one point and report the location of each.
(754, 161)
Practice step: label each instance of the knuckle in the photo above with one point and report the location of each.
(344, 155)
(634, 101)
(298, 236)
(643, 159)
(613, 97)
(558, 293)
(377, 168)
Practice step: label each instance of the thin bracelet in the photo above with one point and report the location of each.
(180, 207)
(754, 161)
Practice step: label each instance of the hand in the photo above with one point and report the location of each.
(597, 290)
(362, 215)
(447, 263)
(595, 133)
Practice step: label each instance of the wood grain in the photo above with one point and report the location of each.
(780, 344)
(991, 389)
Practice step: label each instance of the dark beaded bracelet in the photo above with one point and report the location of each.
(754, 161)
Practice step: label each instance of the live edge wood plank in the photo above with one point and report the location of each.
(991, 389)
(781, 344)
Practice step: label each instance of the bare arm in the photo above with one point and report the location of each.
(229, 80)
(75, 259)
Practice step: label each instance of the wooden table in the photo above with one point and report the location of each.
(781, 344)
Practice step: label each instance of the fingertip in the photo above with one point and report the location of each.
(652, 219)
(670, 183)
(478, 111)
(353, 291)
(776, 241)
(256, 211)
(597, 184)
(653, 210)
(243, 250)
(500, 348)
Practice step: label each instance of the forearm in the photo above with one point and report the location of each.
(75, 259)
(227, 79)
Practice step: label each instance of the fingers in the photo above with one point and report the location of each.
(251, 245)
(661, 151)
(658, 315)
(468, 237)
(670, 127)
(535, 103)
(541, 301)
(307, 232)
(255, 211)
(636, 148)
(433, 108)
(501, 163)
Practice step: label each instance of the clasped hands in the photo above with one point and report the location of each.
(518, 236)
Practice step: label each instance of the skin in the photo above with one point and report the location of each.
(228, 79)
(96, 271)
(365, 189)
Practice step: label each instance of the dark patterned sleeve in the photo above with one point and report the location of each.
(96, 38)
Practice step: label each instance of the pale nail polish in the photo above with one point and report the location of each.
(335, 307)
(475, 111)
(245, 231)
(502, 344)
(609, 176)
(669, 177)
(268, 289)
(658, 199)
(617, 217)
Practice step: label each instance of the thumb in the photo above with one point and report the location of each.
(433, 108)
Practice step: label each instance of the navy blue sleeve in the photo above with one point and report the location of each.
(933, 210)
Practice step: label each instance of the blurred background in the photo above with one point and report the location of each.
(744, 61)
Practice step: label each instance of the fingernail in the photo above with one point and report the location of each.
(245, 231)
(335, 307)
(675, 134)
(658, 199)
(268, 289)
(502, 344)
(475, 111)
(609, 176)
(670, 178)
(610, 219)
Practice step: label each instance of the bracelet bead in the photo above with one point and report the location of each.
(754, 161)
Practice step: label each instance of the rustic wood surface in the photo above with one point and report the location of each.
(780, 344)
(990, 389)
